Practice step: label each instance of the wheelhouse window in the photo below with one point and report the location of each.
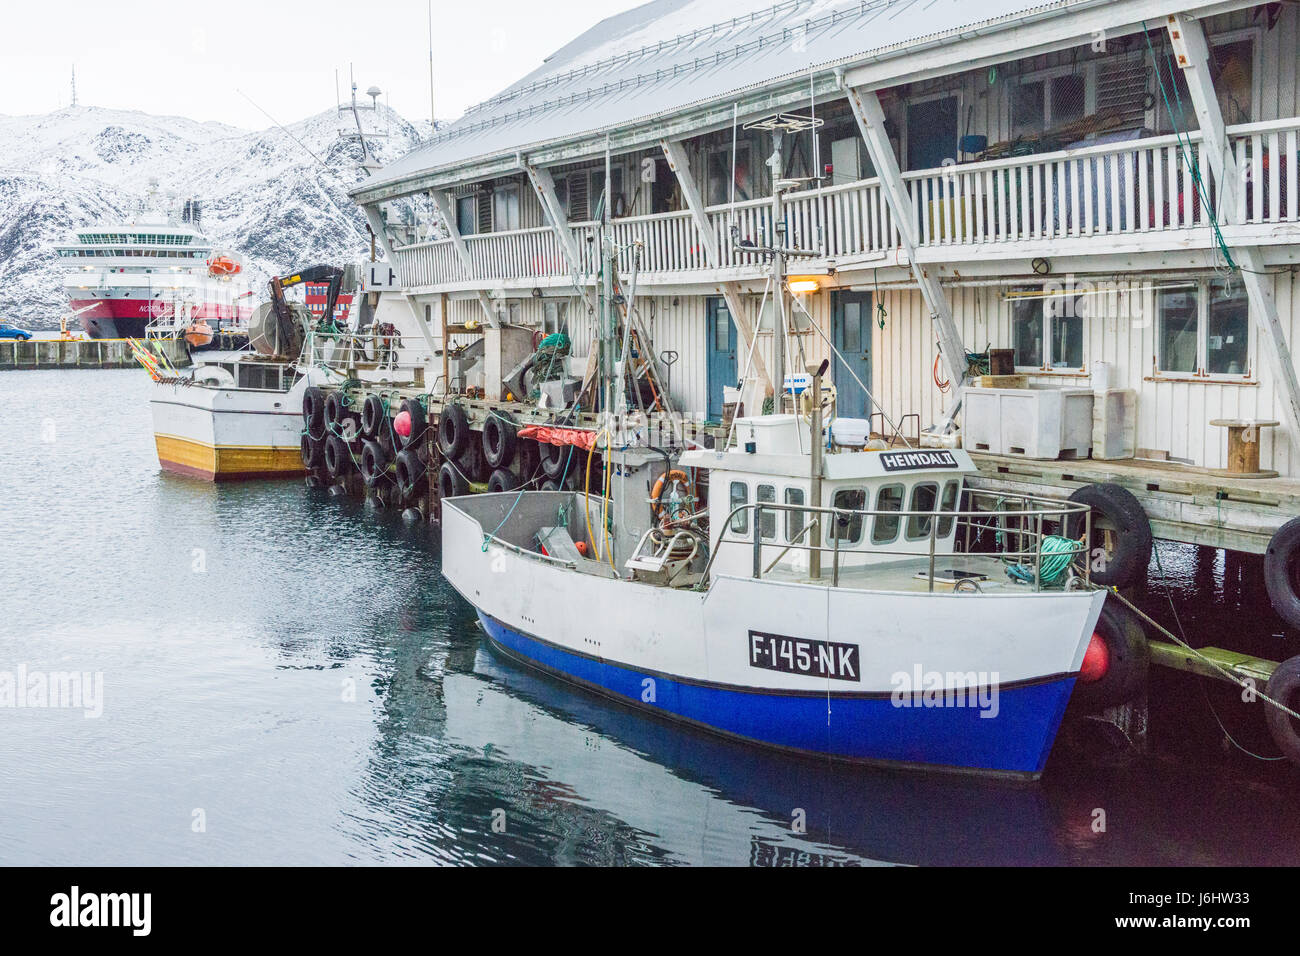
(924, 496)
(948, 505)
(794, 520)
(739, 494)
(766, 495)
(847, 529)
(885, 527)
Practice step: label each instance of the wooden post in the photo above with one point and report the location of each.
(871, 123)
(1192, 52)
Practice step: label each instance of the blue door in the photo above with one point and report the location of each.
(721, 350)
(851, 332)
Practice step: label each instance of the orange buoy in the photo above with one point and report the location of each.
(1096, 660)
(582, 548)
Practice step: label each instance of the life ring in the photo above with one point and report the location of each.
(409, 470)
(685, 503)
(373, 415)
(1116, 663)
(451, 483)
(453, 431)
(1284, 687)
(313, 452)
(419, 422)
(1282, 572)
(374, 463)
(502, 479)
(338, 457)
(500, 439)
(1120, 549)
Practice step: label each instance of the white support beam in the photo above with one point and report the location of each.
(544, 187)
(376, 222)
(1192, 53)
(442, 200)
(871, 121)
(681, 166)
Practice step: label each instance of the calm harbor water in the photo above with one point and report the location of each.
(288, 679)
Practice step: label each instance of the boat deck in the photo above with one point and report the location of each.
(913, 574)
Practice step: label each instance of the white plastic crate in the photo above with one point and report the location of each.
(1036, 422)
(1114, 423)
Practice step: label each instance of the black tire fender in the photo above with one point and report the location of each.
(1284, 687)
(419, 422)
(338, 457)
(1282, 572)
(451, 483)
(453, 431)
(1117, 509)
(500, 440)
(373, 416)
(313, 411)
(502, 479)
(409, 470)
(554, 458)
(313, 452)
(374, 462)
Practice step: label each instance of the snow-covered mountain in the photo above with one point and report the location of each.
(264, 194)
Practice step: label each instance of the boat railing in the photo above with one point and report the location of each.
(1021, 526)
(352, 349)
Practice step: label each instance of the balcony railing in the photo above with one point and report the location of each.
(1140, 186)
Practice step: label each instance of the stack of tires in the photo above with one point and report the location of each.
(314, 436)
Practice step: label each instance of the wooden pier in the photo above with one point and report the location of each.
(80, 353)
(1184, 503)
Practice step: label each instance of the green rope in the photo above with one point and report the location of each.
(1185, 148)
(1055, 556)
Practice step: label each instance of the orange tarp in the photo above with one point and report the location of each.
(549, 435)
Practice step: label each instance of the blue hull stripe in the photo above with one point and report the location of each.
(1016, 741)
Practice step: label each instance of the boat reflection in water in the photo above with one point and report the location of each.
(701, 799)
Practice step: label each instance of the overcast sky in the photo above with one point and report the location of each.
(193, 59)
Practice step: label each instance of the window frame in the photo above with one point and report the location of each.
(1201, 287)
(1047, 320)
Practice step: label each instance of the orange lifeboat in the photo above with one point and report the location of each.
(223, 265)
(199, 334)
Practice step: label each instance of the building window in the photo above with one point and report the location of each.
(505, 208)
(553, 311)
(719, 174)
(467, 215)
(1047, 330)
(1203, 328)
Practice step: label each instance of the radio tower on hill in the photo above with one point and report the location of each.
(74, 84)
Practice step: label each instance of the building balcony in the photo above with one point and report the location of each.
(1147, 194)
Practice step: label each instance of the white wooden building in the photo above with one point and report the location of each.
(1081, 181)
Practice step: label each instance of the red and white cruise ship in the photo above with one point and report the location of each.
(159, 271)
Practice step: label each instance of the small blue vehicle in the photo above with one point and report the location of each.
(13, 332)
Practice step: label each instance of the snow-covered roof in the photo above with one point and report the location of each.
(668, 55)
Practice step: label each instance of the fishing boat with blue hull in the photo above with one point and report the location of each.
(851, 628)
(799, 584)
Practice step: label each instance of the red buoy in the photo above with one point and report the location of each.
(402, 424)
(1096, 660)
